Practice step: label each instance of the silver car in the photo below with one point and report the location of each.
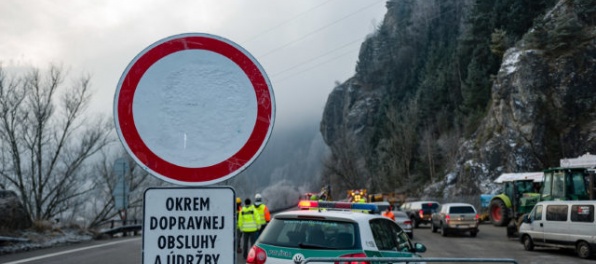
(455, 217)
(402, 219)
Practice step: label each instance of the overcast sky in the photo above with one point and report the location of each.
(305, 46)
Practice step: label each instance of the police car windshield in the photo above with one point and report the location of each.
(309, 233)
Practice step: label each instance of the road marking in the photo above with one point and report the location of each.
(68, 252)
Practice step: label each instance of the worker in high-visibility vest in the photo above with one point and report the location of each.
(248, 223)
(389, 214)
(264, 214)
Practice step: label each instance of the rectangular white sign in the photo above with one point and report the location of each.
(189, 225)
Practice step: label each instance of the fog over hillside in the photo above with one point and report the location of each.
(290, 164)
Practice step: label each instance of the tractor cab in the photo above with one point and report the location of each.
(565, 184)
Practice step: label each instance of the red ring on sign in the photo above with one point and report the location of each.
(201, 174)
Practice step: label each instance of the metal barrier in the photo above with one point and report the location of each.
(413, 260)
(112, 223)
(118, 226)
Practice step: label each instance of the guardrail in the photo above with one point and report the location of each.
(5, 239)
(115, 223)
(119, 226)
(413, 260)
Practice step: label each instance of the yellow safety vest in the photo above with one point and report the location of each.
(261, 211)
(248, 219)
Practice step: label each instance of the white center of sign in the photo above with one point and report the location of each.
(194, 107)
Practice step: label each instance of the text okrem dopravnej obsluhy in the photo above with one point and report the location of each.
(170, 243)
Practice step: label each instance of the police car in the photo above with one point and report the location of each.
(321, 229)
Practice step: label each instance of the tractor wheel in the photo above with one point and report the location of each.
(498, 213)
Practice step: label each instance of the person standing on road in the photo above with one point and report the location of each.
(264, 214)
(389, 214)
(248, 223)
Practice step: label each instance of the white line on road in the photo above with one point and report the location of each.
(68, 252)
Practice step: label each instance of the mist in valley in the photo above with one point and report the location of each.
(290, 165)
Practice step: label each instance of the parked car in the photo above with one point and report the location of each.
(402, 219)
(455, 218)
(419, 212)
(561, 224)
(293, 236)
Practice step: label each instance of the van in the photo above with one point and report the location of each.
(561, 224)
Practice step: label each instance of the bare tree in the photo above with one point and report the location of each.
(137, 180)
(402, 124)
(449, 144)
(428, 150)
(45, 140)
(341, 167)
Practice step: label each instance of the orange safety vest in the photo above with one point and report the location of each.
(389, 215)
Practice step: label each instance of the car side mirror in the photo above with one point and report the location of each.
(419, 248)
(527, 219)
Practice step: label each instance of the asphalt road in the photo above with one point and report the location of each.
(114, 251)
(491, 242)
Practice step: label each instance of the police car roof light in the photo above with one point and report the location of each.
(306, 204)
(364, 206)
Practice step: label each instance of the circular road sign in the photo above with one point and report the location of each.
(194, 109)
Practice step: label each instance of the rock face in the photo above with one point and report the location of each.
(543, 109)
(542, 105)
(12, 213)
(349, 117)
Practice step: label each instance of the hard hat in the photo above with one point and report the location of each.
(258, 199)
(238, 200)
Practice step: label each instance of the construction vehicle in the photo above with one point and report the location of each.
(357, 195)
(520, 194)
(323, 195)
(574, 180)
(394, 199)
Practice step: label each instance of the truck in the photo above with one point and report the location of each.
(395, 199)
(573, 180)
(356, 195)
(520, 194)
(323, 195)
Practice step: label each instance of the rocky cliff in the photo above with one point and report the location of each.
(542, 109)
(401, 121)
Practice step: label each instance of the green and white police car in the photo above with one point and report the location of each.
(321, 230)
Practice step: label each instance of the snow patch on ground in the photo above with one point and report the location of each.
(44, 240)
